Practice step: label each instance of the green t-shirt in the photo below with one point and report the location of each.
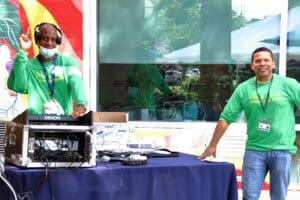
(279, 112)
(28, 77)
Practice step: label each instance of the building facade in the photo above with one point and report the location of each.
(171, 64)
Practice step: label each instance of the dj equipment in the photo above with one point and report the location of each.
(50, 141)
(2, 136)
(38, 34)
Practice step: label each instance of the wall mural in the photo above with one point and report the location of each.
(18, 16)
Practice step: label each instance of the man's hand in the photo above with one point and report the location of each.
(209, 151)
(25, 41)
(298, 141)
(79, 111)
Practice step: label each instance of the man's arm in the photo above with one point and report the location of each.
(75, 82)
(298, 141)
(211, 149)
(18, 77)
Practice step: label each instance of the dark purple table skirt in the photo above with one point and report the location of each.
(169, 178)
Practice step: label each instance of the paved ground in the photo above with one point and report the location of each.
(292, 195)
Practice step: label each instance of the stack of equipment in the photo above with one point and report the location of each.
(50, 141)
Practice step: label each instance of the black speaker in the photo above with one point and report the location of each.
(38, 34)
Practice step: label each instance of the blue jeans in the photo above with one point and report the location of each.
(256, 164)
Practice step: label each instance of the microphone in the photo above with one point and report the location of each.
(131, 159)
(106, 159)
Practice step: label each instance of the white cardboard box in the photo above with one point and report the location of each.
(110, 130)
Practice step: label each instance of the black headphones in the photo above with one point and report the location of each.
(38, 34)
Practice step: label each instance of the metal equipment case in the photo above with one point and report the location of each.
(50, 141)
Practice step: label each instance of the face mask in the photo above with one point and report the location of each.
(47, 53)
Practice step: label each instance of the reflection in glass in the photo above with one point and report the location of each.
(201, 50)
(293, 46)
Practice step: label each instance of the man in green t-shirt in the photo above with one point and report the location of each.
(268, 101)
(52, 81)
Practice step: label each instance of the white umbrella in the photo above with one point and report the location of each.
(246, 39)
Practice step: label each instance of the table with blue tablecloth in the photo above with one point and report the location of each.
(164, 178)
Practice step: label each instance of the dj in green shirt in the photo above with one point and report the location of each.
(52, 81)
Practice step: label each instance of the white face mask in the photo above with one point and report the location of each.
(47, 53)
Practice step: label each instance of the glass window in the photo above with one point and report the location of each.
(293, 40)
(179, 59)
(293, 45)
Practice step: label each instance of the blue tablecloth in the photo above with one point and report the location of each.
(169, 178)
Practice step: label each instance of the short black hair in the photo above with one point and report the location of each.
(259, 49)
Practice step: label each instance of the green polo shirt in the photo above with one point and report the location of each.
(284, 96)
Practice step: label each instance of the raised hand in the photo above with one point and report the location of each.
(25, 41)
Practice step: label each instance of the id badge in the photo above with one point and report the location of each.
(53, 107)
(264, 126)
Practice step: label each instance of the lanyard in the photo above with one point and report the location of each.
(50, 83)
(263, 106)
